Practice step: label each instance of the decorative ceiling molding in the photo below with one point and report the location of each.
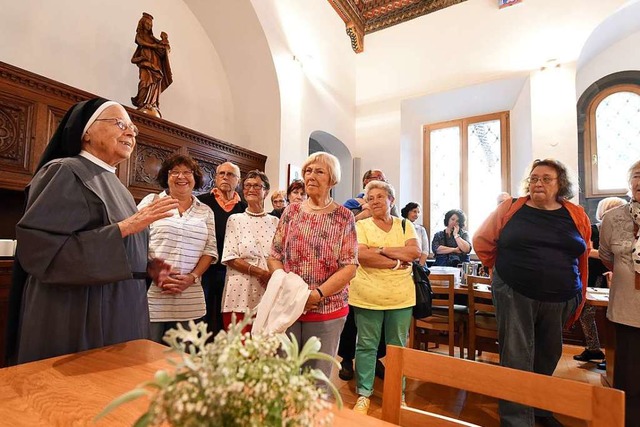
(366, 16)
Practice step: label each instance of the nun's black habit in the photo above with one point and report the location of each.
(73, 286)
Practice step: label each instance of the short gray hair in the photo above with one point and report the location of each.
(235, 167)
(332, 162)
(634, 166)
(382, 186)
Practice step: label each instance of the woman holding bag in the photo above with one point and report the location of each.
(383, 292)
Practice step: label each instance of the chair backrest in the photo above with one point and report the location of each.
(443, 289)
(479, 299)
(597, 405)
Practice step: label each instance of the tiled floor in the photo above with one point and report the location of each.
(469, 407)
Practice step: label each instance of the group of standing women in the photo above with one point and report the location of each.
(65, 298)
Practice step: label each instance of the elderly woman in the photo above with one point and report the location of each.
(296, 192)
(82, 242)
(620, 252)
(537, 246)
(382, 292)
(316, 239)
(247, 243)
(452, 245)
(596, 280)
(186, 240)
(411, 212)
(279, 202)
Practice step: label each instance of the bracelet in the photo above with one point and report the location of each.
(397, 265)
(320, 292)
(249, 271)
(455, 237)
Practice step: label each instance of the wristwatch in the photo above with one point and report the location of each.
(195, 276)
(380, 249)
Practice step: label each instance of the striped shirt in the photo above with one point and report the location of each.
(180, 240)
(315, 246)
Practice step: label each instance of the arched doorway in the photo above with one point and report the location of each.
(323, 141)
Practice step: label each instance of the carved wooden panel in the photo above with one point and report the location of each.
(144, 164)
(16, 121)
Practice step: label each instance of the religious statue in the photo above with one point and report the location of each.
(152, 58)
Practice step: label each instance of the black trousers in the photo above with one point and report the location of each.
(213, 286)
(347, 347)
(626, 375)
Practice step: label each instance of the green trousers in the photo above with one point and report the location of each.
(369, 322)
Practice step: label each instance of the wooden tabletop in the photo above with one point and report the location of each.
(73, 389)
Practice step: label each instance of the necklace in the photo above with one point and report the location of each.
(319, 208)
(248, 212)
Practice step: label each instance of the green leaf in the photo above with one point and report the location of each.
(144, 420)
(127, 397)
(320, 376)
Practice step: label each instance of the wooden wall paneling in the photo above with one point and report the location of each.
(17, 122)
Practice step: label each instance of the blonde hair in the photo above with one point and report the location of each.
(606, 204)
(331, 161)
(279, 193)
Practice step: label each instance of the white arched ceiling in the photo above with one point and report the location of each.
(331, 144)
(619, 25)
(238, 37)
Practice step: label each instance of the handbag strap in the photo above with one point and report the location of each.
(404, 225)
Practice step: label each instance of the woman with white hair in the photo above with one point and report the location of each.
(382, 293)
(316, 239)
(592, 350)
(620, 252)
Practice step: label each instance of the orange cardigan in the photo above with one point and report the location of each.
(485, 239)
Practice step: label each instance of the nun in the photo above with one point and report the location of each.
(81, 262)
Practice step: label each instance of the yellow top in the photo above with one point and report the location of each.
(383, 288)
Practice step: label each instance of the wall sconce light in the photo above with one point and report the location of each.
(550, 64)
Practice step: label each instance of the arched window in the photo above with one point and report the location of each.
(612, 139)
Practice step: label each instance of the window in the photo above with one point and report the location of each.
(466, 165)
(612, 139)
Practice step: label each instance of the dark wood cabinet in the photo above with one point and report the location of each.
(31, 106)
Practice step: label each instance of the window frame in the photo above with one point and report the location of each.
(463, 125)
(591, 142)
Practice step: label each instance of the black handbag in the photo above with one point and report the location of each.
(424, 294)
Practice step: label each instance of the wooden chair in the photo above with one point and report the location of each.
(598, 406)
(444, 318)
(482, 316)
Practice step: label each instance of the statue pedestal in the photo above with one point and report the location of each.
(151, 111)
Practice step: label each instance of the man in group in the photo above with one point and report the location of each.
(347, 348)
(358, 205)
(224, 201)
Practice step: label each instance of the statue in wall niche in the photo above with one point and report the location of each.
(152, 58)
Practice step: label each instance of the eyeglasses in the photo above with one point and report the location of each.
(186, 174)
(227, 174)
(545, 180)
(253, 187)
(122, 125)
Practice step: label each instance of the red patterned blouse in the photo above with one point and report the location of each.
(315, 246)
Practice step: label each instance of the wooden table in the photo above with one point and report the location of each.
(73, 389)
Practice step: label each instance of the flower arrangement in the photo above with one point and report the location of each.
(236, 380)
